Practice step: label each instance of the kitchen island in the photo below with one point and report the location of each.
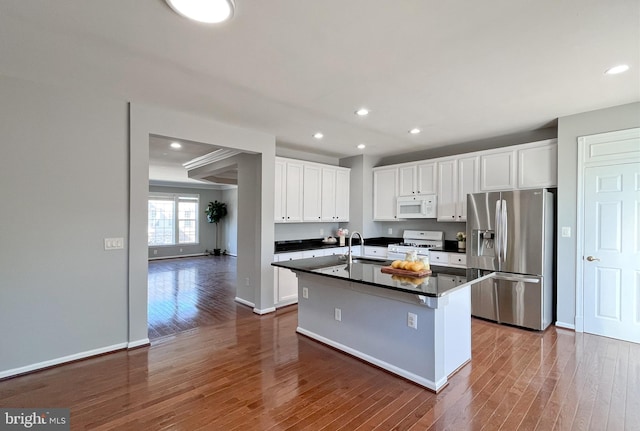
(417, 328)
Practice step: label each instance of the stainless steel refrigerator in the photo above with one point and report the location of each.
(511, 234)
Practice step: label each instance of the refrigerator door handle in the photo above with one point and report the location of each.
(497, 243)
(511, 277)
(504, 230)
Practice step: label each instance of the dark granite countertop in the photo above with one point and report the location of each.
(316, 243)
(367, 271)
(449, 250)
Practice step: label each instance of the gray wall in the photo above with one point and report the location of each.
(207, 231)
(63, 186)
(229, 240)
(569, 129)
(288, 231)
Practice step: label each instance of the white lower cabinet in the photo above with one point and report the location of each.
(373, 251)
(285, 282)
(442, 258)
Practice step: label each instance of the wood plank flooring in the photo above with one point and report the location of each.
(249, 372)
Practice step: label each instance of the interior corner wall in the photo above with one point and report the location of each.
(63, 182)
(229, 239)
(569, 129)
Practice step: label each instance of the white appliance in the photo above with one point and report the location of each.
(417, 206)
(419, 240)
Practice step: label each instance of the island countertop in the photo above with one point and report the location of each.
(368, 271)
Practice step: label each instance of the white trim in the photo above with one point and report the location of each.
(212, 157)
(244, 302)
(138, 343)
(180, 255)
(565, 325)
(62, 360)
(264, 310)
(287, 302)
(429, 384)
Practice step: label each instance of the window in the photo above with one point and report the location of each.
(173, 219)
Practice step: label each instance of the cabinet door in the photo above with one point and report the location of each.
(538, 166)
(280, 192)
(427, 178)
(447, 187)
(385, 192)
(407, 180)
(498, 171)
(467, 180)
(312, 191)
(373, 251)
(295, 175)
(328, 194)
(342, 192)
(439, 258)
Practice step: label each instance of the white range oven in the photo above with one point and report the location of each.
(419, 240)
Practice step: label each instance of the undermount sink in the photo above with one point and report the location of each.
(372, 261)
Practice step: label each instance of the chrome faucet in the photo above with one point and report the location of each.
(350, 254)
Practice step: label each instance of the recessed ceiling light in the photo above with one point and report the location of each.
(207, 11)
(362, 112)
(175, 145)
(415, 131)
(617, 69)
(318, 135)
(361, 146)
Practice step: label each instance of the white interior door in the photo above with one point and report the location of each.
(611, 267)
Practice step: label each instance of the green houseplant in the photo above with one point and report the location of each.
(215, 212)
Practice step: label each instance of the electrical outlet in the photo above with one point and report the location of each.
(305, 292)
(321, 232)
(412, 320)
(247, 281)
(155, 251)
(338, 314)
(390, 231)
(566, 231)
(180, 250)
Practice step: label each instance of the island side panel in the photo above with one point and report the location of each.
(457, 330)
(374, 327)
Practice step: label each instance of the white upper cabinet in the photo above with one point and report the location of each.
(385, 193)
(417, 178)
(312, 192)
(335, 194)
(467, 184)
(538, 165)
(498, 170)
(447, 190)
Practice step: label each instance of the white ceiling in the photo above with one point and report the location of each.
(461, 70)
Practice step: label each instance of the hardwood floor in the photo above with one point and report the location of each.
(249, 372)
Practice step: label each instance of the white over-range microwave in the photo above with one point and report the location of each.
(417, 206)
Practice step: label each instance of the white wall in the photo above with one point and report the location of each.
(569, 129)
(63, 187)
(230, 232)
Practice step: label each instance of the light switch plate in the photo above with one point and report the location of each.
(113, 243)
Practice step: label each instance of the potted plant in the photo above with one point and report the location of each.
(215, 212)
(462, 240)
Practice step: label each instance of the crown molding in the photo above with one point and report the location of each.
(212, 157)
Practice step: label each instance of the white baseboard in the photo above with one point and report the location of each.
(180, 255)
(429, 384)
(244, 302)
(138, 343)
(565, 325)
(62, 360)
(264, 310)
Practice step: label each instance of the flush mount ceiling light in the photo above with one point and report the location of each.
(362, 112)
(415, 131)
(318, 135)
(361, 146)
(207, 11)
(175, 145)
(617, 69)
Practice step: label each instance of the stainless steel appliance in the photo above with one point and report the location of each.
(510, 234)
(417, 206)
(419, 240)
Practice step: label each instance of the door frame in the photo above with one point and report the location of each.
(593, 152)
